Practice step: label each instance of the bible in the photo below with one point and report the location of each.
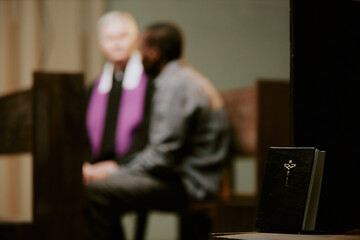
(291, 188)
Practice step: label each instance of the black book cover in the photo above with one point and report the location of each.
(291, 189)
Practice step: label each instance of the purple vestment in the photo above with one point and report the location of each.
(130, 115)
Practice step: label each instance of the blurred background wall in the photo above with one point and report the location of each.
(233, 42)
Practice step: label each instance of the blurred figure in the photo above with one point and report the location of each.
(115, 116)
(187, 142)
(188, 129)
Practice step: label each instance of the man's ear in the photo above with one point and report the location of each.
(155, 53)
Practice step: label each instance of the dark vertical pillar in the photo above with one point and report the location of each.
(325, 75)
(58, 151)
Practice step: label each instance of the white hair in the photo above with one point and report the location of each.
(118, 16)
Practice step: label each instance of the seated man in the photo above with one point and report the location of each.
(116, 114)
(188, 142)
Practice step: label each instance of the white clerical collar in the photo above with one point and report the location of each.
(132, 74)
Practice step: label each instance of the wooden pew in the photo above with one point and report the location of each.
(47, 122)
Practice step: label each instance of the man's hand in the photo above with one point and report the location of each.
(98, 171)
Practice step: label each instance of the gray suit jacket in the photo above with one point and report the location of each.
(188, 134)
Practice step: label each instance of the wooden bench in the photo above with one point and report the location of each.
(46, 121)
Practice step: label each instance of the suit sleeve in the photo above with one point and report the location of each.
(172, 108)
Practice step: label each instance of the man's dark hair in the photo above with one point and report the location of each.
(167, 37)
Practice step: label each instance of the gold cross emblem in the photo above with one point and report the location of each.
(289, 165)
